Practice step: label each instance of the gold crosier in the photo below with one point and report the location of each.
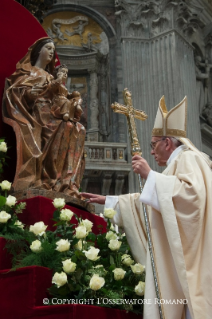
(131, 113)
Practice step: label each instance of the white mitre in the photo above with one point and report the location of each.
(174, 124)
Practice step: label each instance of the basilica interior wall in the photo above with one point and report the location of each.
(150, 47)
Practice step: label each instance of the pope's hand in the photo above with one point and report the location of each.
(94, 198)
(140, 166)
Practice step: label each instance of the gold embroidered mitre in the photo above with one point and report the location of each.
(172, 123)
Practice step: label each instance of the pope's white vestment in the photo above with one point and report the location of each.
(180, 213)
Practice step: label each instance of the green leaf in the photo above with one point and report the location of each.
(91, 237)
(78, 274)
(74, 241)
(56, 214)
(2, 200)
(112, 262)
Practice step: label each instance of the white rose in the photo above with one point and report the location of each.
(138, 269)
(114, 244)
(112, 227)
(19, 224)
(92, 254)
(96, 282)
(140, 288)
(66, 214)
(109, 212)
(119, 273)
(59, 279)
(111, 235)
(87, 223)
(59, 202)
(126, 260)
(4, 216)
(79, 245)
(81, 232)
(69, 266)
(36, 246)
(11, 201)
(38, 228)
(62, 245)
(3, 147)
(5, 185)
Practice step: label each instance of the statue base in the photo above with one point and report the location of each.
(70, 200)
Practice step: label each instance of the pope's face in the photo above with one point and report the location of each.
(47, 52)
(159, 150)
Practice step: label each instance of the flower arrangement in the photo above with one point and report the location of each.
(84, 265)
(98, 267)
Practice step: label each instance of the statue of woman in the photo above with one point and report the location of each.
(50, 150)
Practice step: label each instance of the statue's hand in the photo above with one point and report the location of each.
(36, 90)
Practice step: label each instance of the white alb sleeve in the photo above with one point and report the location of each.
(113, 202)
(149, 195)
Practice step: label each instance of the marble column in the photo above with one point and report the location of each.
(157, 60)
(93, 132)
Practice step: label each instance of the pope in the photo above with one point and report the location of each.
(179, 205)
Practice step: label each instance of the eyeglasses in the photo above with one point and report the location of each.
(153, 144)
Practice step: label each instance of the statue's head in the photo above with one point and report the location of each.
(61, 71)
(44, 49)
(75, 95)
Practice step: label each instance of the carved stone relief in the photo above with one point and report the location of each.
(77, 32)
(207, 113)
(150, 18)
(56, 33)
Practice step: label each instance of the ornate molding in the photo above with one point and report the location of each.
(149, 18)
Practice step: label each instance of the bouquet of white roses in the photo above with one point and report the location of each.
(98, 267)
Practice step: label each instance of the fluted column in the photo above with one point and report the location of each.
(158, 59)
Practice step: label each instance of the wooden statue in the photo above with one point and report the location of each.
(45, 118)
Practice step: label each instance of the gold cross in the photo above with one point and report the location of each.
(131, 113)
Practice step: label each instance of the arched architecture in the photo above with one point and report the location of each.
(154, 48)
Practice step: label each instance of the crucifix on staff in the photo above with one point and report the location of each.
(131, 113)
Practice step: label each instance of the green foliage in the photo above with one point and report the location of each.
(78, 285)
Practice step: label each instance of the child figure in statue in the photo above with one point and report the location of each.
(65, 105)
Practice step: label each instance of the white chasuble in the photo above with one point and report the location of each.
(181, 238)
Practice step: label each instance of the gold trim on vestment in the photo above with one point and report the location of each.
(168, 132)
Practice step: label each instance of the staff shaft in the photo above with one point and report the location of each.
(149, 240)
(129, 112)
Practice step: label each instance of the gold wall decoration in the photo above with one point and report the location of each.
(72, 28)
